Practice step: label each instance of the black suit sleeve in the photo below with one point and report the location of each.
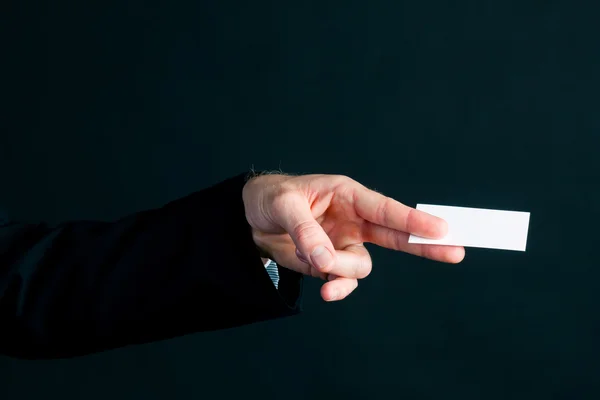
(83, 287)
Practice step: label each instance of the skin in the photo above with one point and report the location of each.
(292, 216)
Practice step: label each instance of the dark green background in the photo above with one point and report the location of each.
(120, 107)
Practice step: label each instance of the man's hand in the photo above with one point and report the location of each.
(318, 224)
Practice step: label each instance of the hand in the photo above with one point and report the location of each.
(317, 225)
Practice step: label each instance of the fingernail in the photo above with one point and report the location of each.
(321, 257)
(335, 296)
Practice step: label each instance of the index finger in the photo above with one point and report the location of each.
(390, 213)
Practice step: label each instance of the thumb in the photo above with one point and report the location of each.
(307, 234)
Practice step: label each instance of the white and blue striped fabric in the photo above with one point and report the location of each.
(273, 272)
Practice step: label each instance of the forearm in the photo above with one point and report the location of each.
(89, 286)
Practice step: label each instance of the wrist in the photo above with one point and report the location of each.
(257, 192)
(261, 244)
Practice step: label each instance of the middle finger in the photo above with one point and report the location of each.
(396, 240)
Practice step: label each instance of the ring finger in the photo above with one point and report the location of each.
(396, 240)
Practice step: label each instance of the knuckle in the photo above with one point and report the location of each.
(305, 230)
(342, 180)
(382, 211)
(410, 220)
(282, 201)
(398, 240)
(281, 197)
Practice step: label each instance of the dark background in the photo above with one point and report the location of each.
(112, 108)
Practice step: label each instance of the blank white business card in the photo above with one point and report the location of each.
(479, 227)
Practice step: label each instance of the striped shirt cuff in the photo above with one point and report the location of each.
(273, 271)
